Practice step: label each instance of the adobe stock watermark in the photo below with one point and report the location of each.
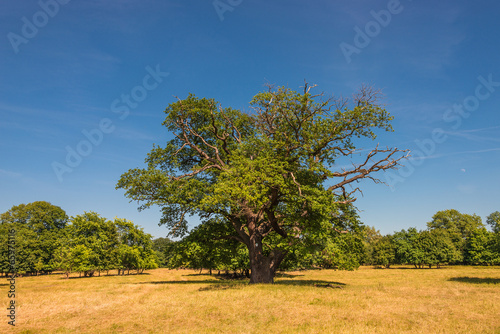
(222, 6)
(11, 309)
(30, 27)
(363, 37)
(120, 106)
(454, 115)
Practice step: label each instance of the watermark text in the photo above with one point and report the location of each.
(11, 309)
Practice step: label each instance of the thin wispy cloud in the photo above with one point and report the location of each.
(10, 174)
(30, 111)
(437, 156)
(472, 134)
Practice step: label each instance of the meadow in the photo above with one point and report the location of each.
(454, 299)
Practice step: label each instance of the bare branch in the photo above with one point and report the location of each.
(363, 171)
(180, 149)
(367, 95)
(338, 231)
(298, 185)
(196, 172)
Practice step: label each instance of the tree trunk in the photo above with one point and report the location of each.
(261, 271)
(263, 268)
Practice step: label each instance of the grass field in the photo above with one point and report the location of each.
(403, 300)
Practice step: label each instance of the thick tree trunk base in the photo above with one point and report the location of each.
(261, 277)
(263, 268)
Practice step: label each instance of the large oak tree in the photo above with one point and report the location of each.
(274, 174)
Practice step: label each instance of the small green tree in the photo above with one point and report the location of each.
(5, 266)
(438, 248)
(480, 248)
(384, 251)
(408, 247)
(494, 221)
(458, 225)
(136, 247)
(371, 237)
(39, 229)
(162, 246)
(100, 238)
(129, 257)
(63, 260)
(83, 260)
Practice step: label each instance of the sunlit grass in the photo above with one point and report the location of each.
(447, 300)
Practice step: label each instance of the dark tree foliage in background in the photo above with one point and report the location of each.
(459, 226)
(39, 230)
(162, 247)
(383, 251)
(370, 237)
(494, 221)
(451, 238)
(208, 247)
(45, 242)
(275, 174)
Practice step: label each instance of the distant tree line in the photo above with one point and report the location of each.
(46, 240)
(450, 238)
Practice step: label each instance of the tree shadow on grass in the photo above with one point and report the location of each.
(184, 282)
(285, 275)
(224, 284)
(409, 268)
(315, 283)
(476, 280)
(223, 287)
(212, 284)
(77, 277)
(225, 277)
(103, 275)
(222, 277)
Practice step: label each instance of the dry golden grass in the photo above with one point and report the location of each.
(447, 300)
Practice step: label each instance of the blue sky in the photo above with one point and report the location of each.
(106, 70)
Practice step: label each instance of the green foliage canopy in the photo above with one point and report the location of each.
(39, 230)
